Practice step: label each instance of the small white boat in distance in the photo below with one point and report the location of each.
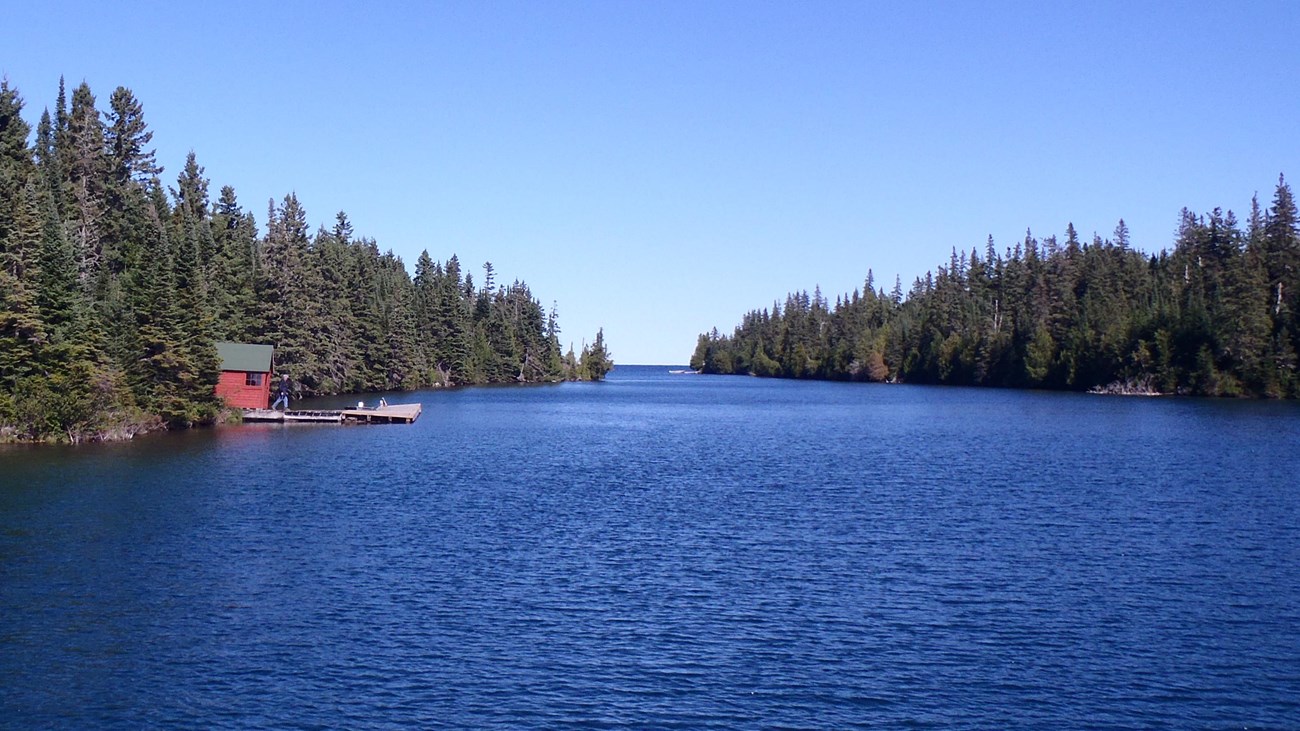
(683, 372)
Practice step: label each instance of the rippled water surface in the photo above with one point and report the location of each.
(667, 552)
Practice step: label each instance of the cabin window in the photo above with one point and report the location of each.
(253, 379)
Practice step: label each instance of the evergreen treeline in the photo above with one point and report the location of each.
(1219, 315)
(113, 290)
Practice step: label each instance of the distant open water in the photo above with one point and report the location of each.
(664, 551)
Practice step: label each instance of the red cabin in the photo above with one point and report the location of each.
(245, 375)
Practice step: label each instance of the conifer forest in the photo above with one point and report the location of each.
(1218, 315)
(114, 287)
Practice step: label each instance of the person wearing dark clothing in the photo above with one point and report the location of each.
(285, 388)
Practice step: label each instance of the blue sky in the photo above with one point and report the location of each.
(659, 168)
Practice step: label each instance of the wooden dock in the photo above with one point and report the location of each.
(299, 415)
(391, 414)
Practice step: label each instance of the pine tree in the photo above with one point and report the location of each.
(552, 357)
(21, 330)
(15, 156)
(403, 364)
(195, 322)
(86, 169)
(233, 271)
(596, 361)
(339, 354)
(191, 191)
(126, 139)
(367, 305)
(423, 305)
(452, 325)
(22, 333)
(1282, 245)
(161, 375)
(288, 287)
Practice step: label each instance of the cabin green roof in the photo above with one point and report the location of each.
(245, 357)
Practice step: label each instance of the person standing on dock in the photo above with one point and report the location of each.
(285, 387)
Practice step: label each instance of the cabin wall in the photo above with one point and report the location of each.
(232, 389)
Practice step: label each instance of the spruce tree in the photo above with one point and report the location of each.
(596, 361)
(403, 364)
(339, 354)
(127, 138)
(22, 332)
(233, 277)
(191, 191)
(15, 156)
(86, 168)
(288, 286)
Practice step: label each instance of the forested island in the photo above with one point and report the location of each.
(1216, 316)
(114, 289)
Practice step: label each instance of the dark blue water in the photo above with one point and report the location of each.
(667, 552)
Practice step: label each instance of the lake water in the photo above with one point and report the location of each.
(665, 551)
